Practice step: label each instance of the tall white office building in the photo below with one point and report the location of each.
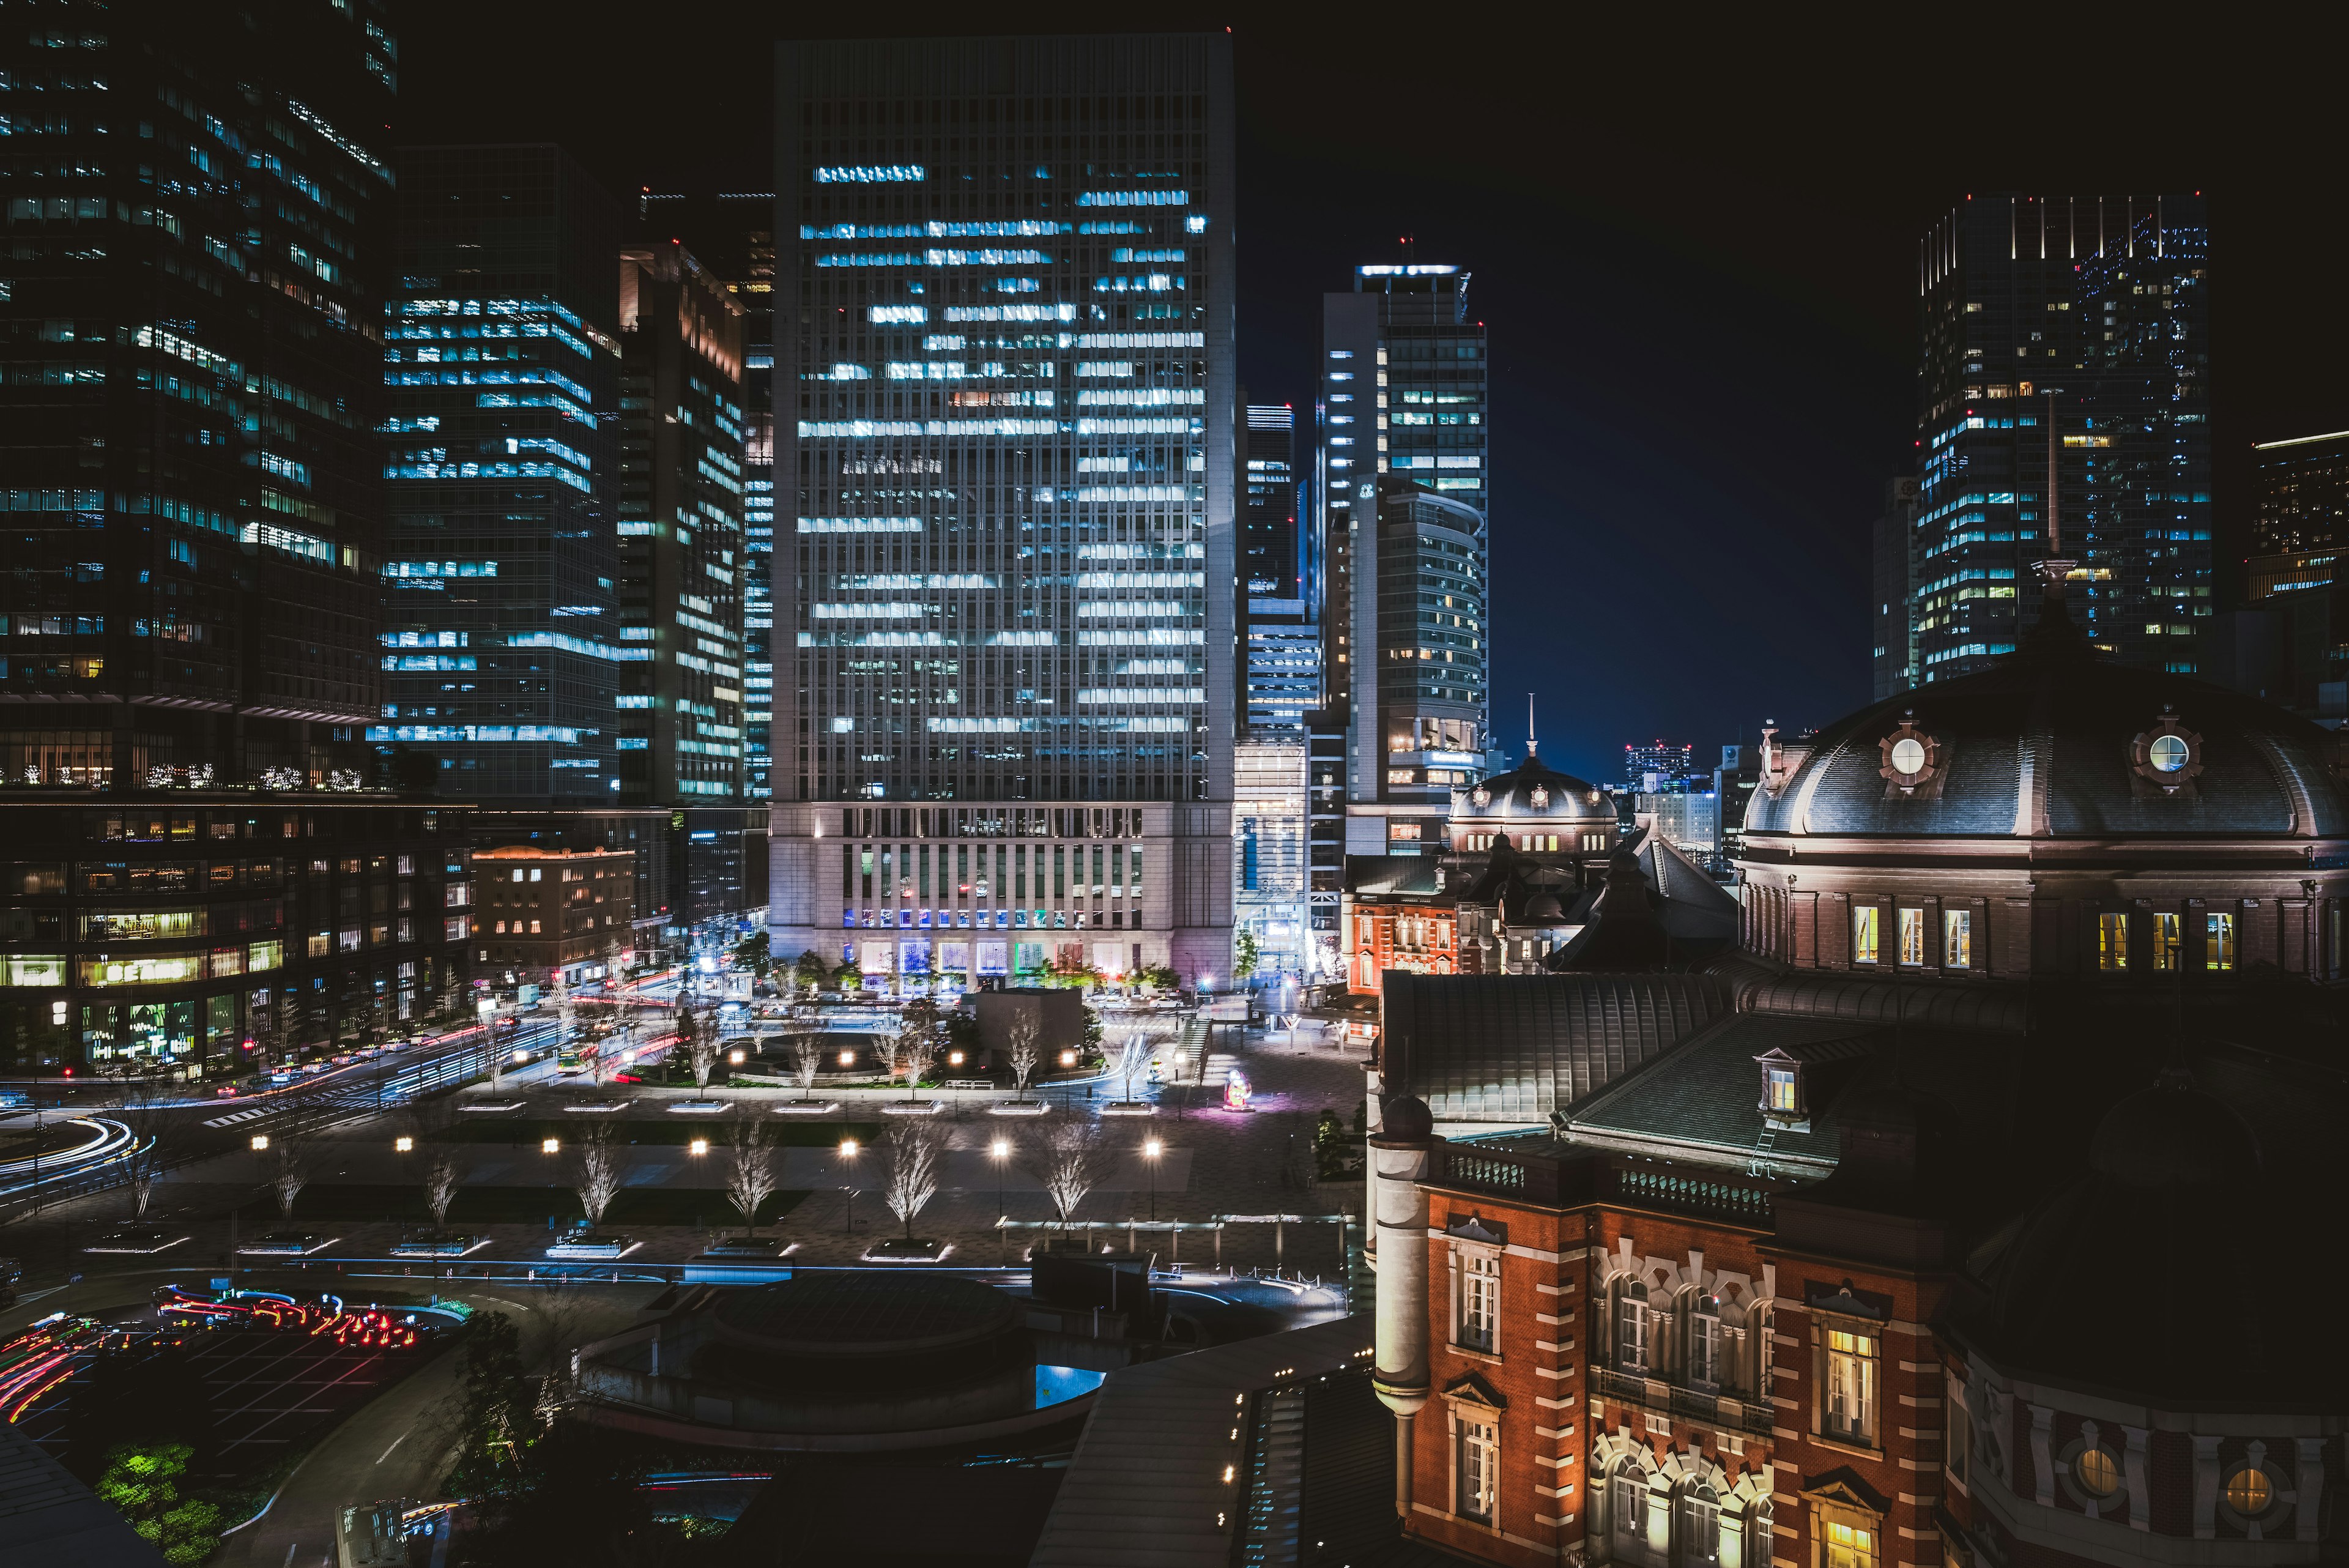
(1004, 575)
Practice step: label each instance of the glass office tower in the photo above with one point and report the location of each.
(679, 725)
(1269, 537)
(208, 863)
(502, 644)
(1404, 449)
(1005, 420)
(2091, 312)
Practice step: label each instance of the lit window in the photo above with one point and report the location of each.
(1850, 1414)
(1778, 1085)
(2219, 949)
(2166, 955)
(1480, 1302)
(2248, 1491)
(1912, 938)
(2112, 942)
(1957, 939)
(1479, 1463)
(1848, 1546)
(1629, 1497)
(534, 927)
(1864, 937)
(2167, 752)
(2097, 1473)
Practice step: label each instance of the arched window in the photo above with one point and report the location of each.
(1704, 1342)
(1631, 1328)
(1628, 1496)
(1699, 1532)
(1757, 1534)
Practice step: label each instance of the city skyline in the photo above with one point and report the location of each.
(1681, 436)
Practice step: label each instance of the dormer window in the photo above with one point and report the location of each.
(1784, 1103)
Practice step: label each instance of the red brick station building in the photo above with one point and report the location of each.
(1982, 1210)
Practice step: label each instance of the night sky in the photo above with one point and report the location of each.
(1695, 251)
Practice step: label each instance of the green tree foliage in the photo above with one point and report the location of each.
(499, 1423)
(142, 1485)
(810, 969)
(1335, 1154)
(1244, 956)
(751, 953)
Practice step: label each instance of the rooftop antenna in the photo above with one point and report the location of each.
(1532, 745)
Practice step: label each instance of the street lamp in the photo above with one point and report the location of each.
(999, 1150)
(403, 1143)
(699, 1146)
(552, 1145)
(848, 1152)
(1151, 1149)
(260, 1142)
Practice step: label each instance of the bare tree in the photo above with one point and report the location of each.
(807, 1060)
(596, 1179)
(566, 1011)
(700, 1042)
(443, 1177)
(915, 1151)
(156, 1137)
(1068, 1158)
(752, 1179)
(289, 1172)
(917, 1041)
(1133, 1061)
(1026, 1049)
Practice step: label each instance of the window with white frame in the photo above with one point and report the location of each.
(1631, 1328)
(1957, 939)
(1628, 1499)
(1479, 1468)
(1479, 1326)
(1700, 1528)
(1912, 938)
(1704, 1342)
(1851, 1384)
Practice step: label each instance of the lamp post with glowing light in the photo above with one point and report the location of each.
(1151, 1149)
(848, 1153)
(999, 1151)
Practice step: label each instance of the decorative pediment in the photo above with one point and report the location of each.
(1493, 1233)
(1474, 1390)
(1847, 1299)
(1843, 1485)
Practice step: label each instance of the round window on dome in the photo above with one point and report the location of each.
(1909, 755)
(2167, 752)
(2248, 1491)
(2095, 1473)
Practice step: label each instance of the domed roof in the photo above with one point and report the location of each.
(2169, 1160)
(2058, 740)
(1405, 1117)
(1533, 788)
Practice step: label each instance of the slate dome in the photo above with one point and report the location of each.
(2058, 740)
(1533, 788)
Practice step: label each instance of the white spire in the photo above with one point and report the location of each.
(1532, 745)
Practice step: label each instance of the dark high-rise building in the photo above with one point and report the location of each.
(2091, 312)
(1402, 491)
(1658, 766)
(1893, 554)
(1268, 535)
(732, 235)
(1009, 606)
(2302, 521)
(503, 646)
(199, 220)
(680, 725)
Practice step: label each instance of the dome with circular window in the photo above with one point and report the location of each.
(2055, 741)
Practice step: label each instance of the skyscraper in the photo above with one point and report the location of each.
(679, 727)
(1893, 552)
(2302, 521)
(502, 641)
(732, 235)
(1010, 442)
(1268, 535)
(194, 520)
(2091, 312)
(1403, 458)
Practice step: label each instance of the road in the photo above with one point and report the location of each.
(401, 1445)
